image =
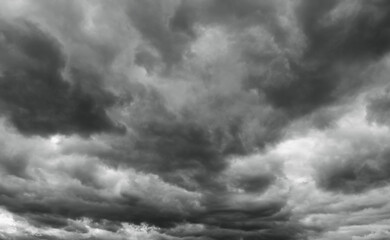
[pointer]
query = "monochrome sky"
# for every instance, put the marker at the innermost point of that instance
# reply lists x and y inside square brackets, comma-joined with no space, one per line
[195,119]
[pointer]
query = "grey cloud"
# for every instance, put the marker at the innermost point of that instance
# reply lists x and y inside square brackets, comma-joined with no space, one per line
[286,62]
[77,202]
[14,165]
[324,68]
[278,233]
[378,108]
[255,183]
[27,228]
[362,33]
[151,19]
[171,28]
[229,13]
[34,95]
[357,173]
[315,79]
[47,189]
[360,162]
[173,147]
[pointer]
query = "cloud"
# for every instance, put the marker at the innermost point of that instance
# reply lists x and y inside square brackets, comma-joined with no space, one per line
[332,29]
[151,19]
[358,164]
[327,204]
[17,228]
[34,94]
[378,108]
[321,75]
[250,120]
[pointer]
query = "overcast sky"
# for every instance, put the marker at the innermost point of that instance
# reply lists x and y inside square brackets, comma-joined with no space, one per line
[195,119]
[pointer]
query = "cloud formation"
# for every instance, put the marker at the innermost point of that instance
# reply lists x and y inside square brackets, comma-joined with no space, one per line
[194,119]
[35,95]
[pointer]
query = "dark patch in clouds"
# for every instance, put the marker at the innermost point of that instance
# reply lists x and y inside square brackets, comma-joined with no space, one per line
[378,109]
[362,33]
[34,94]
[150,19]
[255,183]
[337,42]
[357,172]
[82,202]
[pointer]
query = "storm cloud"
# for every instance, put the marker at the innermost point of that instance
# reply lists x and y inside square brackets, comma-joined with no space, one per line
[35,95]
[204,119]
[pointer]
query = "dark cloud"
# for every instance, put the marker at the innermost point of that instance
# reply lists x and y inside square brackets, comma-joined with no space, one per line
[35,96]
[14,165]
[46,220]
[188,162]
[241,126]
[362,33]
[147,59]
[185,153]
[320,76]
[178,149]
[378,108]
[255,183]
[322,68]
[357,172]
[249,218]
[150,18]
[219,233]
[171,28]
[83,202]
[339,40]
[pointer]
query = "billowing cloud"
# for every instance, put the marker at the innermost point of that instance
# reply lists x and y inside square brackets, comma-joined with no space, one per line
[36,97]
[194,119]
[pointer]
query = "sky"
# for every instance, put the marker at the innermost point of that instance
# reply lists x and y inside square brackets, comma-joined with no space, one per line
[194,119]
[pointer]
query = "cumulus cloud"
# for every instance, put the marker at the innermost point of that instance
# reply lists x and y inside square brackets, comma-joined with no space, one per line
[184,119]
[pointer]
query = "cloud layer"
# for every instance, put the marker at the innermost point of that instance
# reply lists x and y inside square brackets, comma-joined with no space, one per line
[194,119]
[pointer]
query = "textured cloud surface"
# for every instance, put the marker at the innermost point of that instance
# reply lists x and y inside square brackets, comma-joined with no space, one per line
[195,119]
